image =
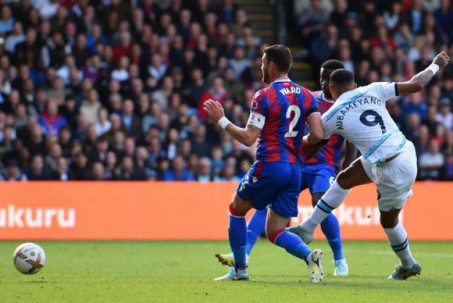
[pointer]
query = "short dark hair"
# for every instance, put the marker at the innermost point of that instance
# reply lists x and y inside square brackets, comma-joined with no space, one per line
[333,64]
[341,77]
[280,55]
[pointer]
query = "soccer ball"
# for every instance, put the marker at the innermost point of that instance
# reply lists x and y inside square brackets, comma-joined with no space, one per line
[29,258]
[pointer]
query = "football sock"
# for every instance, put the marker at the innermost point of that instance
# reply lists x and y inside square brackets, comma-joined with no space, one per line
[237,233]
[331,230]
[255,228]
[400,245]
[328,202]
[291,242]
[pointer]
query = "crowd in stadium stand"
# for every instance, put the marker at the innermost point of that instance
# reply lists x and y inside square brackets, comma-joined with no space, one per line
[112,90]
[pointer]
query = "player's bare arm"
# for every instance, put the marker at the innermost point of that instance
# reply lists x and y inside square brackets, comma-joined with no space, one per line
[316,134]
[420,80]
[246,136]
[311,150]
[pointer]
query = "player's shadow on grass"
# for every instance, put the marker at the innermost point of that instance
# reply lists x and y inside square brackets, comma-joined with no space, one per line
[352,281]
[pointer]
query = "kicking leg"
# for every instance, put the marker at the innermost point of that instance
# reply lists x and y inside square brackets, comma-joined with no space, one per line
[331,229]
[399,242]
[352,176]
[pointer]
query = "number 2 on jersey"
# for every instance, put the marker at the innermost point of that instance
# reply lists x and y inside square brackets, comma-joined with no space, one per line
[291,133]
[377,119]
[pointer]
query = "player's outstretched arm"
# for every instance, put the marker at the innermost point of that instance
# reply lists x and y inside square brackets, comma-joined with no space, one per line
[246,136]
[420,80]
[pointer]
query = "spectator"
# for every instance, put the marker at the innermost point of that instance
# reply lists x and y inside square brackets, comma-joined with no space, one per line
[37,169]
[228,174]
[51,121]
[431,162]
[61,172]
[431,121]
[55,153]
[6,20]
[445,116]
[98,173]
[36,143]
[239,63]
[311,22]
[79,169]
[157,69]
[325,46]
[124,48]
[91,106]
[103,125]
[131,122]
[17,36]
[178,172]
[127,171]
[416,16]
[216,92]
[121,74]
[444,18]
[204,170]
[13,172]
[392,17]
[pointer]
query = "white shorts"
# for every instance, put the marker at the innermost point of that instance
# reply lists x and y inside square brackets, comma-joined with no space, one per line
[394,179]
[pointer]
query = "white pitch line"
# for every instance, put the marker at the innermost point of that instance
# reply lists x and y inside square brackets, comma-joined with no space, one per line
[389,252]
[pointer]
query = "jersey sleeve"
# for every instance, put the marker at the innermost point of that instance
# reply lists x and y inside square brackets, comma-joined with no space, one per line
[259,109]
[386,90]
[325,127]
[311,104]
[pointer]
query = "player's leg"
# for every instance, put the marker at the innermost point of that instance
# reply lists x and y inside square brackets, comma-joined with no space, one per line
[237,234]
[254,190]
[399,242]
[394,188]
[331,229]
[318,179]
[321,179]
[282,208]
[277,234]
[255,228]
[352,176]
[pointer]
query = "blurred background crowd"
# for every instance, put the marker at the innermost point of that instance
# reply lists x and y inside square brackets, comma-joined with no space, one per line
[112,90]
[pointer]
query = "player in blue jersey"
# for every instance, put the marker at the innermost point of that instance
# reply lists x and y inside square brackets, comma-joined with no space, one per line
[317,173]
[277,119]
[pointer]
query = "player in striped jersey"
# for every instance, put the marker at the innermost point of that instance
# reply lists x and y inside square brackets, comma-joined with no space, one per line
[318,170]
[278,117]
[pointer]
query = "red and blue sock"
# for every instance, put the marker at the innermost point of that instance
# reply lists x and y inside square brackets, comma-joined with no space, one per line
[237,232]
[292,243]
[255,228]
[331,229]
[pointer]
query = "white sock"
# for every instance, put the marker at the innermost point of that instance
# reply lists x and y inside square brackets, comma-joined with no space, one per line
[400,245]
[328,202]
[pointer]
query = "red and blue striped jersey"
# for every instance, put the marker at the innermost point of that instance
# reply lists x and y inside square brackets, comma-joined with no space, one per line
[331,152]
[281,111]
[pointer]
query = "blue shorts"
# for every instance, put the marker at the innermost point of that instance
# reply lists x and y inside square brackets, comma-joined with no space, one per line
[317,178]
[274,184]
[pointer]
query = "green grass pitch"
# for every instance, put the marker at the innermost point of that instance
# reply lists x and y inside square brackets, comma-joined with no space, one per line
[184,272]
